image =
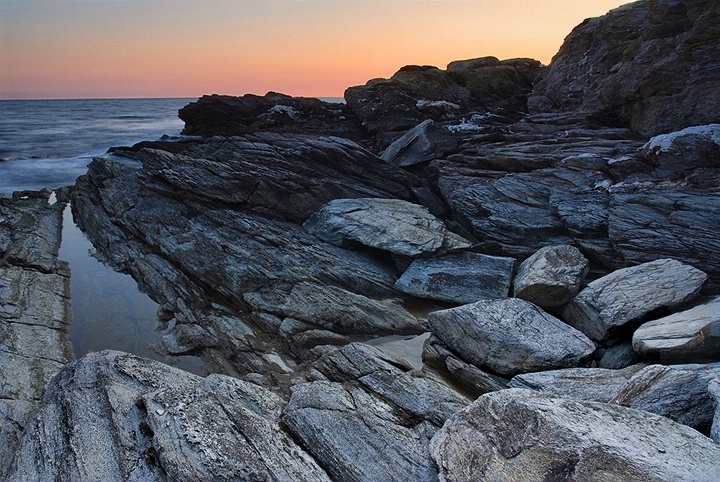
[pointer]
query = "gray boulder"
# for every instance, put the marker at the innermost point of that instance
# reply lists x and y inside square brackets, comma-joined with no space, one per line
[620,355]
[510,336]
[551,277]
[679,392]
[591,384]
[458,278]
[114,416]
[629,294]
[525,435]
[692,335]
[389,224]
[356,436]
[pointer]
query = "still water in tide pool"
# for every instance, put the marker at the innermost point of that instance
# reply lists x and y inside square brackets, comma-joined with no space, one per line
[109,312]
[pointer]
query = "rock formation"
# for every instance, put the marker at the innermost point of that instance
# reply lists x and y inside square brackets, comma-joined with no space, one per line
[284,238]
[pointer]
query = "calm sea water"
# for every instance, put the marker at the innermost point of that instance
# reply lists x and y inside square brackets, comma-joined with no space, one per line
[48,143]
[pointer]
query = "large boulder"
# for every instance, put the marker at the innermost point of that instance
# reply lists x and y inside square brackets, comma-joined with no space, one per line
[629,294]
[393,225]
[551,277]
[648,65]
[114,416]
[458,278]
[510,336]
[676,154]
[525,435]
[692,335]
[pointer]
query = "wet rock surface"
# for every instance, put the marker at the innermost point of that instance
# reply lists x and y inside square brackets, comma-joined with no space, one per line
[35,311]
[293,245]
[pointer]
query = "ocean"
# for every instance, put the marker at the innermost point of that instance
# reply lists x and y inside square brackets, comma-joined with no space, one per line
[48,143]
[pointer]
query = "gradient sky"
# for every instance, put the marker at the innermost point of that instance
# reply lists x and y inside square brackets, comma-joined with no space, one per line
[187,48]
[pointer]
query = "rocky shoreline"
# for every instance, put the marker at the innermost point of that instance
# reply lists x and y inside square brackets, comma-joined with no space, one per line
[550,232]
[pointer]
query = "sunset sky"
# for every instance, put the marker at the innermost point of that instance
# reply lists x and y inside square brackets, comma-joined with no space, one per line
[187,48]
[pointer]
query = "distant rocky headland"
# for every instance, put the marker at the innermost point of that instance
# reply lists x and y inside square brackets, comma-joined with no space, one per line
[550,233]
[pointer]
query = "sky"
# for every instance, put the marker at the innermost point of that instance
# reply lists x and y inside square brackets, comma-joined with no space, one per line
[188,48]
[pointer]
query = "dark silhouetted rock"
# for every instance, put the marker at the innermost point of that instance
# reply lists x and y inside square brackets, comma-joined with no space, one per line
[224,115]
[525,435]
[649,65]
[458,278]
[551,277]
[510,336]
[629,294]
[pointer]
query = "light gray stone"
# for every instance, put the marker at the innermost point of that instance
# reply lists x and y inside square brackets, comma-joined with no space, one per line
[114,416]
[520,434]
[510,336]
[679,392]
[356,436]
[691,335]
[424,142]
[458,278]
[591,384]
[388,224]
[628,294]
[551,277]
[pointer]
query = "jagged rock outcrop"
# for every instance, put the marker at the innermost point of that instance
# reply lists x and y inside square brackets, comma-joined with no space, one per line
[639,66]
[225,115]
[389,107]
[526,435]
[111,415]
[691,336]
[35,312]
[510,336]
[629,294]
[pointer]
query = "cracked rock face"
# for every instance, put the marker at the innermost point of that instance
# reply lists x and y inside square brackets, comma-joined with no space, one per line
[111,415]
[526,435]
[35,309]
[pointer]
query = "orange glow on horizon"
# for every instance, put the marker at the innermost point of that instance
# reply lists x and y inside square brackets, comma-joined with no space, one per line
[184,48]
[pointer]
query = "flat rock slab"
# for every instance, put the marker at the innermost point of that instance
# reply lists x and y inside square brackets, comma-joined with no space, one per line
[520,434]
[691,335]
[510,336]
[551,277]
[392,225]
[629,294]
[458,278]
